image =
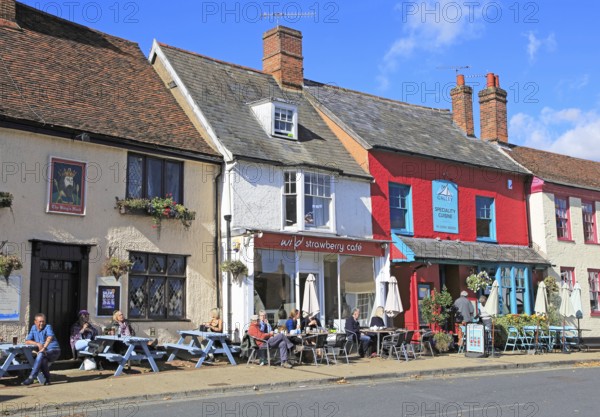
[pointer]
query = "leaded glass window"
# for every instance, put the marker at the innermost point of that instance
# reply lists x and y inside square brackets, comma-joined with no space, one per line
[157,286]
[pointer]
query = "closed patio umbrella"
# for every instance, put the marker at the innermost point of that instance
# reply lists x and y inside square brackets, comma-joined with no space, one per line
[566,309]
[541,306]
[492,307]
[310,301]
[576,301]
[393,304]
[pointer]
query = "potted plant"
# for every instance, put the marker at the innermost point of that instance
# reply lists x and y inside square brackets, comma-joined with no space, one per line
[236,268]
[9,263]
[6,199]
[443,341]
[116,266]
[479,282]
[436,308]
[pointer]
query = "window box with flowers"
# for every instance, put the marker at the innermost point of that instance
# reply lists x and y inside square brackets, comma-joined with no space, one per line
[158,208]
[9,263]
[6,199]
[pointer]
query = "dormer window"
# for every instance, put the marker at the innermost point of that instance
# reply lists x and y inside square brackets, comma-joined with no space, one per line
[284,122]
[277,117]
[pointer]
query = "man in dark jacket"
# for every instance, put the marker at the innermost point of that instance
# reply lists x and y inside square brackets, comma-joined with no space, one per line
[464,313]
[353,333]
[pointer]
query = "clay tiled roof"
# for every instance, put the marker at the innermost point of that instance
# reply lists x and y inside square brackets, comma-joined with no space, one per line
[56,73]
[557,168]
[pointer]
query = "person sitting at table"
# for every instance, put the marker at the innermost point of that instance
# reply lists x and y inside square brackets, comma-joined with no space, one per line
[377,319]
[82,333]
[291,324]
[48,349]
[124,327]
[311,322]
[278,341]
[263,322]
[484,316]
[215,324]
[282,316]
[353,333]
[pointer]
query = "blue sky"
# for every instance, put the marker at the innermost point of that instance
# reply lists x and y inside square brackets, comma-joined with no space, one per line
[546,53]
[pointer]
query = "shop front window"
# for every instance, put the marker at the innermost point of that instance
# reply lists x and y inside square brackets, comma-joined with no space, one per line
[357,287]
[274,278]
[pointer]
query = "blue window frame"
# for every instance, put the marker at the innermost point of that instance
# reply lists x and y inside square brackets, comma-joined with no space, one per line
[486,219]
[401,209]
[515,290]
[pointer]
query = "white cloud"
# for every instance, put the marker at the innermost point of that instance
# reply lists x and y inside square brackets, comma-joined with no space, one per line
[429,25]
[534,44]
[568,131]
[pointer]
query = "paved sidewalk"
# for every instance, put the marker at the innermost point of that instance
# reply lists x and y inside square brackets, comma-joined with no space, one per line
[82,392]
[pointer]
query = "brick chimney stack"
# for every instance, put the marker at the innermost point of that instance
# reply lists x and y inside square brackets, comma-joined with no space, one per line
[8,14]
[462,106]
[282,56]
[492,111]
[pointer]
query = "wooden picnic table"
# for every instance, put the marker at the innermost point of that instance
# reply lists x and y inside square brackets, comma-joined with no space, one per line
[216,343]
[20,357]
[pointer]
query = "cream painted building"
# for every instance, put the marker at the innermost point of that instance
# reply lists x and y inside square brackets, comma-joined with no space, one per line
[564,199]
[75,139]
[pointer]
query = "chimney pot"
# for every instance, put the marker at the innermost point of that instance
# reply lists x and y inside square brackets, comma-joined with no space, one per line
[492,111]
[462,106]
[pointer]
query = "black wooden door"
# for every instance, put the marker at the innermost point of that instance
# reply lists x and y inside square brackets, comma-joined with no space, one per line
[59,284]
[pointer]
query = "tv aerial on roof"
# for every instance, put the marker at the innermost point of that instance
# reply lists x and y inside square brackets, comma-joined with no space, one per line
[281,15]
[454,68]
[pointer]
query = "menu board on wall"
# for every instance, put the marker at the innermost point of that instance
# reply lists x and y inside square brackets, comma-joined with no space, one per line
[10,298]
[108,296]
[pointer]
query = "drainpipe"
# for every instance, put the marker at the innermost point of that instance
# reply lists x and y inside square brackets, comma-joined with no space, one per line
[227,218]
[217,242]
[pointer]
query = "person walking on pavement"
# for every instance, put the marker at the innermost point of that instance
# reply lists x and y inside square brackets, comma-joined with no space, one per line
[464,313]
[48,349]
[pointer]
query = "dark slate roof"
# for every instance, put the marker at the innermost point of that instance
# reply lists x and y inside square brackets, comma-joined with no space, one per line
[223,92]
[556,168]
[61,75]
[396,126]
[432,249]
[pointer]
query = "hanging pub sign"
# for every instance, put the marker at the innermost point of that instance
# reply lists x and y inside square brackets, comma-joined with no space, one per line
[66,186]
[445,206]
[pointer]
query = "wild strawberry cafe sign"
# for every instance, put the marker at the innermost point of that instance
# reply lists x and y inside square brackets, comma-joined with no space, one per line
[319,244]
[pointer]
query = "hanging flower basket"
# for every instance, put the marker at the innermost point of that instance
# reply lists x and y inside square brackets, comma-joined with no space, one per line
[9,263]
[480,281]
[158,208]
[116,267]
[6,199]
[236,268]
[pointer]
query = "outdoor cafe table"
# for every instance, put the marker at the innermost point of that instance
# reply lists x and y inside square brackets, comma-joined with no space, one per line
[379,332]
[132,342]
[216,343]
[19,358]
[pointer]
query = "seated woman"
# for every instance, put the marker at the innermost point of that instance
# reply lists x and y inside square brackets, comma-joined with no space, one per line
[377,319]
[82,333]
[292,322]
[123,325]
[215,324]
